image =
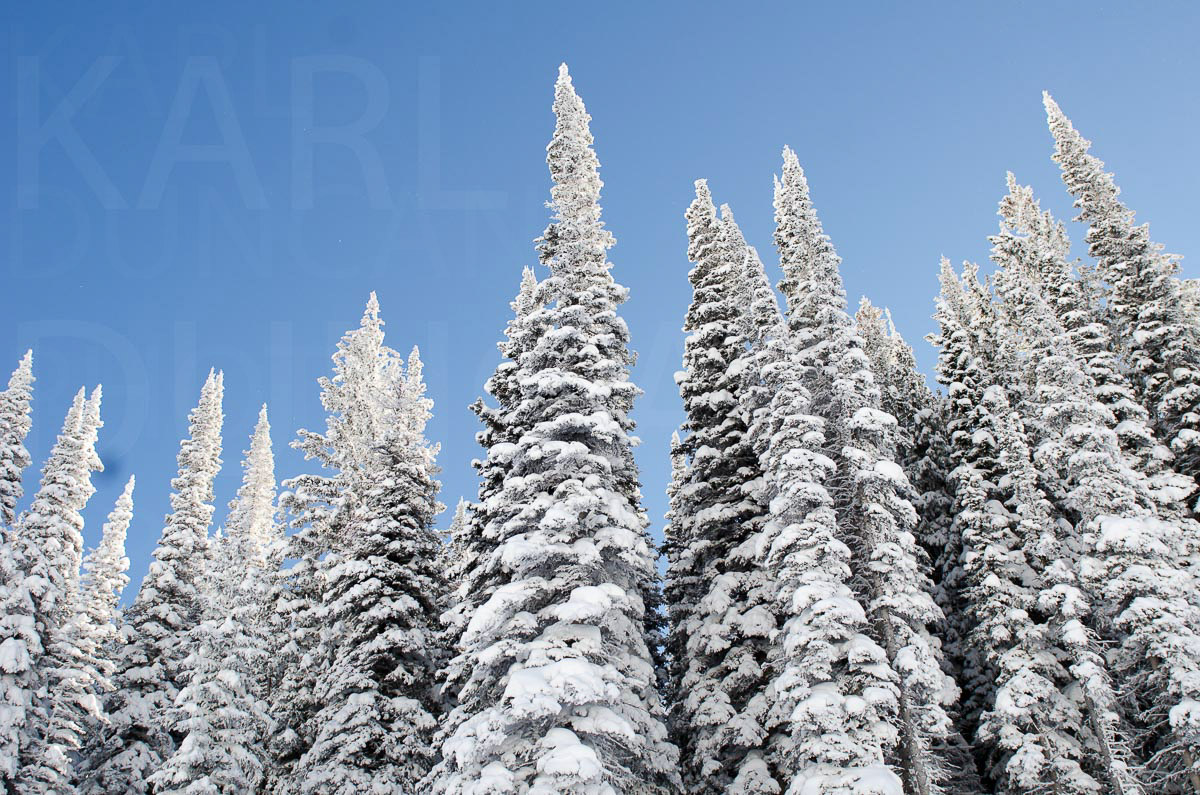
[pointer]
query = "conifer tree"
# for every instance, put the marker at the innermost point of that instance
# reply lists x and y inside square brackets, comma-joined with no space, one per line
[221,720]
[156,627]
[765,333]
[1146,302]
[1129,563]
[960,371]
[380,604]
[105,576]
[869,489]
[456,552]
[1052,720]
[14,427]
[221,709]
[1191,300]
[478,579]
[319,507]
[251,527]
[49,541]
[47,547]
[720,618]
[922,448]
[562,693]
[833,696]
[1070,297]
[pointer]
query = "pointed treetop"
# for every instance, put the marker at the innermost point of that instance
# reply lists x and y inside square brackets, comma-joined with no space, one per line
[735,241]
[126,497]
[1053,111]
[371,313]
[15,423]
[952,293]
[414,371]
[790,160]
[528,279]
[76,412]
[458,525]
[566,101]
[23,375]
[526,299]
[112,539]
[702,226]
[251,523]
[91,428]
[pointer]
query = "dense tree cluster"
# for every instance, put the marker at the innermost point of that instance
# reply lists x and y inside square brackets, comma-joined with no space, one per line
[871,587]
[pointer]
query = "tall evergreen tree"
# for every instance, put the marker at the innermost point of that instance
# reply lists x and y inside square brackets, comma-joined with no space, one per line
[140,736]
[1071,298]
[562,695]
[1053,718]
[456,552]
[1129,561]
[48,546]
[221,709]
[922,448]
[14,427]
[105,575]
[380,604]
[966,379]
[720,619]
[869,489]
[319,507]
[251,528]
[833,695]
[1146,302]
[478,579]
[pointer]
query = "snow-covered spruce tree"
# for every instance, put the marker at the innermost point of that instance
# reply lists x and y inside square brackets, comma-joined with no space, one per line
[48,543]
[105,568]
[139,737]
[960,371]
[877,344]
[477,580]
[673,539]
[979,512]
[15,423]
[922,448]
[360,401]
[1071,298]
[1146,302]
[765,333]
[251,529]
[876,521]
[105,575]
[221,708]
[719,601]
[221,720]
[455,554]
[1129,561]
[833,696]
[562,695]
[382,594]
[1052,723]
[19,641]
[48,692]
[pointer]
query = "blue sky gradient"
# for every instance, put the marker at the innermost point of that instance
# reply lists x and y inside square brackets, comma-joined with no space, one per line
[222,184]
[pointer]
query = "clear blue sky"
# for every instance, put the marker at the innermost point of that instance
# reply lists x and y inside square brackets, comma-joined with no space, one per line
[222,184]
